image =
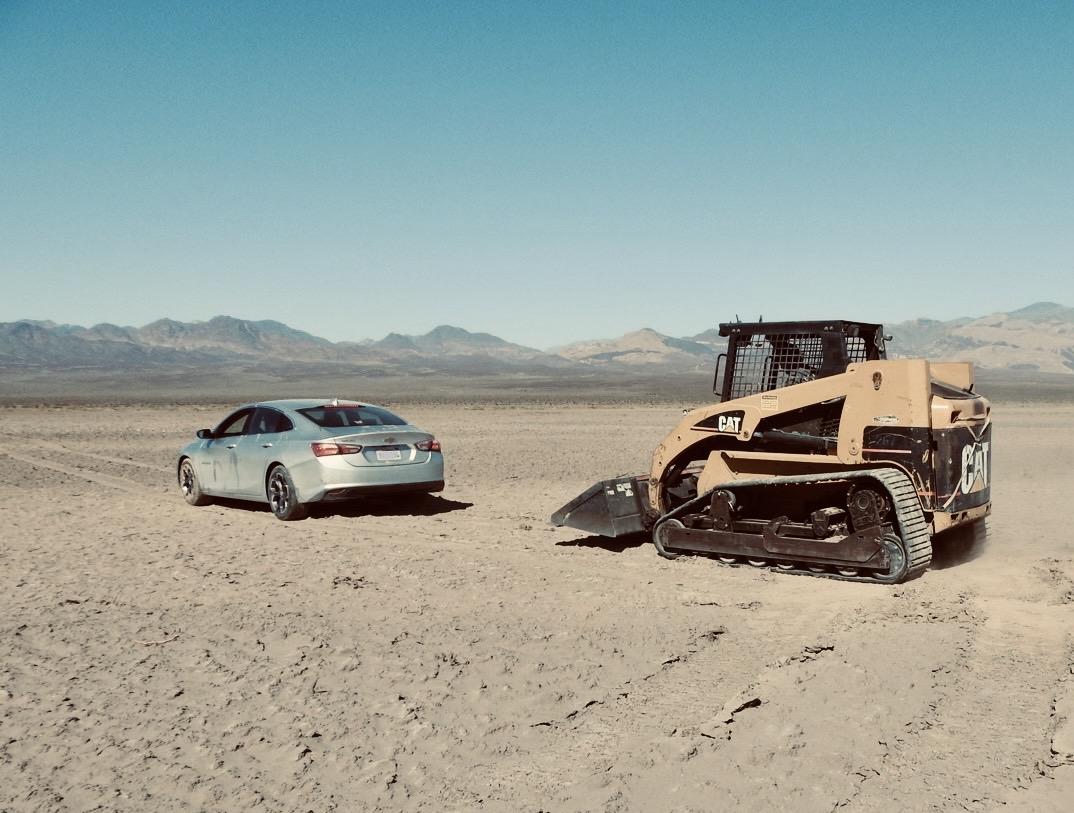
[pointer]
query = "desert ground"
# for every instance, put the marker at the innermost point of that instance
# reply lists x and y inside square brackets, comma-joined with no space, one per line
[463,654]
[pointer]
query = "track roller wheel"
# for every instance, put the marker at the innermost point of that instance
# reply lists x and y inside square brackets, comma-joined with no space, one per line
[896,551]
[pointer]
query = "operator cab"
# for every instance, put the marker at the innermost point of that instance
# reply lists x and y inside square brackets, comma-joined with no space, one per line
[763,356]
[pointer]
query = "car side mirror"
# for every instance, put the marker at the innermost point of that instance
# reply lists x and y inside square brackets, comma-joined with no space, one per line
[205,434]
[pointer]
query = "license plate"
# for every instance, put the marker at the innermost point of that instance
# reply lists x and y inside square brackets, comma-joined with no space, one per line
[389,454]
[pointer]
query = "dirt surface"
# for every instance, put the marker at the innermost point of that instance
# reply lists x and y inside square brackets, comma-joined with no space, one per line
[462,654]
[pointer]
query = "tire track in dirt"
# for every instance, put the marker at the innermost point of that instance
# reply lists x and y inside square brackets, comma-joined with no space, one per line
[664,716]
[100,478]
[974,720]
[833,683]
[56,446]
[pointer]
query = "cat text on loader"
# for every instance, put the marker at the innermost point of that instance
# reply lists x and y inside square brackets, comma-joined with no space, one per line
[822,456]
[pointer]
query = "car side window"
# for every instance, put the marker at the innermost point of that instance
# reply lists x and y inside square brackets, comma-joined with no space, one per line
[270,421]
[235,424]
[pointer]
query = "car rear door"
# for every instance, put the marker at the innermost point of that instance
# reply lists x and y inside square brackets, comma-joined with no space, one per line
[259,447]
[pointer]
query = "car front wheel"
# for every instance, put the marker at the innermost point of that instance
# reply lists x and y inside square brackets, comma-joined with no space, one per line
[283,499]
[190,486]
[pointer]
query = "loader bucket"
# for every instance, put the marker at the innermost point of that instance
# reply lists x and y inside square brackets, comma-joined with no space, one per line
[609,508]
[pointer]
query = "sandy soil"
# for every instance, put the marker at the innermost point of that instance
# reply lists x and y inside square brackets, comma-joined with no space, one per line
[465,655]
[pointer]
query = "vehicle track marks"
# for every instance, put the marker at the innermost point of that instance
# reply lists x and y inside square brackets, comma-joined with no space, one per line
[63,448]
[97,477]
[972,718]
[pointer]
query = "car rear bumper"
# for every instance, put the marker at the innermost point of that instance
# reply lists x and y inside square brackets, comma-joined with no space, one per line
[322,483]
[356,492]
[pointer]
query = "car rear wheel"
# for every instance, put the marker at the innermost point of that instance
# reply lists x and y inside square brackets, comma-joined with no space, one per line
[283,499]
[190,486]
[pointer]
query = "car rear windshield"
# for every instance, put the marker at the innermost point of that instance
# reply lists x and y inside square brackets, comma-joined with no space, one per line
[331,417]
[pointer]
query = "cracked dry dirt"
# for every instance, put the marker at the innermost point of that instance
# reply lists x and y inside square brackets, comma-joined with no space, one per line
[465,655]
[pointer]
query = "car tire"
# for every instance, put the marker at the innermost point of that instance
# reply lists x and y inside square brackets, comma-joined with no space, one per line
[190,485]
[282,497]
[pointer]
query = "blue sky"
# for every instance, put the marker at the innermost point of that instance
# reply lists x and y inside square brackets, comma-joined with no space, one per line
[546,172]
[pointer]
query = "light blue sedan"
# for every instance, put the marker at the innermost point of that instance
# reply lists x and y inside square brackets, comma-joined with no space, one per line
[295,452]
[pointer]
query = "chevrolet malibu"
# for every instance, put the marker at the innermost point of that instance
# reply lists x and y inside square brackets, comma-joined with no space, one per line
[292,453]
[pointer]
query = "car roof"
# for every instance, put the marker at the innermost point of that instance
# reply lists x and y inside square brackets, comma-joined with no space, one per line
[308,403]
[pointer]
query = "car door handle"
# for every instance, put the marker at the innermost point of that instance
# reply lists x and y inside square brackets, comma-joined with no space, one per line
[232,445]
[266,445]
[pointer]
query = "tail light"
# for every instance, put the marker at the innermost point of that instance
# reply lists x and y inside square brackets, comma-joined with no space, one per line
[430,445]
[321,449]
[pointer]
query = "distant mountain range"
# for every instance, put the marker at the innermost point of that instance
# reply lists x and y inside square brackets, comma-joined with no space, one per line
[1038,338]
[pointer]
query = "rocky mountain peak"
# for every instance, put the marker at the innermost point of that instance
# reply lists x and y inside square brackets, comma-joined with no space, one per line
[1039,337]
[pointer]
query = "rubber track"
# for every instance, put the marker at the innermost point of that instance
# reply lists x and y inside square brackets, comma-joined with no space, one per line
[909,519]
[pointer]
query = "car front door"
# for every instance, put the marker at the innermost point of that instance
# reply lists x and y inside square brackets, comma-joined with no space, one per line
[223,451]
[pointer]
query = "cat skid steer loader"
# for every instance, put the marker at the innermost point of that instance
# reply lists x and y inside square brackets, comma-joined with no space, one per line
[822,456]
